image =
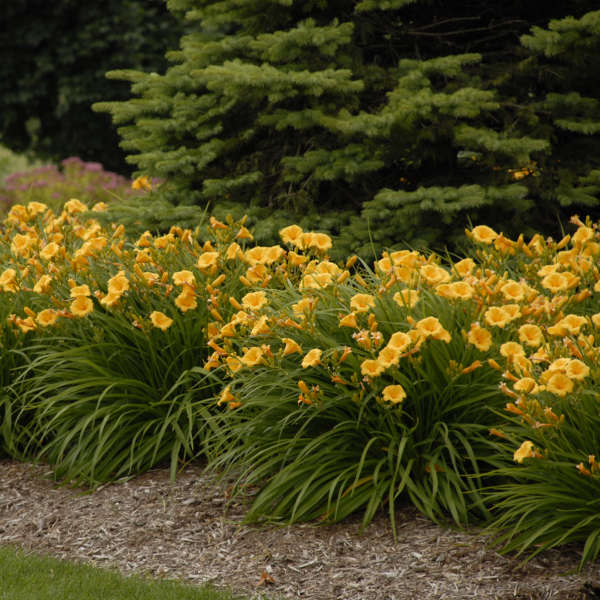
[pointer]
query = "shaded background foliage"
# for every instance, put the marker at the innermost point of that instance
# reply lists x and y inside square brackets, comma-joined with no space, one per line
[54,57]
[382,123]
[404,116]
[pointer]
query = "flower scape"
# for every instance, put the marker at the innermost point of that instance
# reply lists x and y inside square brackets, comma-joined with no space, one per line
[466,387]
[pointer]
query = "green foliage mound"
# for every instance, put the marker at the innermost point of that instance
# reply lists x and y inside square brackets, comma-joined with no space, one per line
[380,122]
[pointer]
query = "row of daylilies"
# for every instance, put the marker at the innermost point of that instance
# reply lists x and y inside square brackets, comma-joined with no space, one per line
[530,308]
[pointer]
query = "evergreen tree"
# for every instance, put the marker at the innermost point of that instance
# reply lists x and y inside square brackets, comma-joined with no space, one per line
[384,121]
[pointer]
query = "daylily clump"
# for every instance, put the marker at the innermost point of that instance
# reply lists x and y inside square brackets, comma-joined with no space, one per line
[521,321]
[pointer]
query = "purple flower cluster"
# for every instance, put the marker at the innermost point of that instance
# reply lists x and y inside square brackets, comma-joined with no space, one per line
[53,185]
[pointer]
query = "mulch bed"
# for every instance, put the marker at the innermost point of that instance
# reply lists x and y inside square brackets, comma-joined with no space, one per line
[186,530]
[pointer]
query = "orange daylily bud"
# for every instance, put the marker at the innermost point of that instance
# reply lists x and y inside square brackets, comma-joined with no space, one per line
[494,364]
[215,313]
[346,353]
[496,432]
[219,280]
[474,365]
[351,261]
[510,407]
[360,280]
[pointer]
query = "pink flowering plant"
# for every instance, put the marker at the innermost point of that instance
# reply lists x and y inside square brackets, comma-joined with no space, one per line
[53,185]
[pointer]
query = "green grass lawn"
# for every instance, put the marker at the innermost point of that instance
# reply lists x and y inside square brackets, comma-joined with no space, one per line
[29,577]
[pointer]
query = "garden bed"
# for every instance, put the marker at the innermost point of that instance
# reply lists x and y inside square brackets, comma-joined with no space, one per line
[185,530]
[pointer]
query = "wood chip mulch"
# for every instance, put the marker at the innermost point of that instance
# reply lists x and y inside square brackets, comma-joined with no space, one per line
[184,530]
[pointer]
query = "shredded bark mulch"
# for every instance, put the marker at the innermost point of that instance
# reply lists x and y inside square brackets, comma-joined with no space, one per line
[185,530]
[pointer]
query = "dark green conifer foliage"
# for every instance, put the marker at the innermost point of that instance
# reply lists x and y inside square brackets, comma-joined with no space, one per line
[382,121]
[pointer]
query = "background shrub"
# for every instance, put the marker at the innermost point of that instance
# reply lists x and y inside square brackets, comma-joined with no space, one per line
[382,122]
